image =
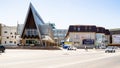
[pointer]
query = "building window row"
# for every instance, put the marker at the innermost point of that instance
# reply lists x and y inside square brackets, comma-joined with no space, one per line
[31,32]
[82,29]
[10,42]
[11,37]
[85,27]
[60,31]
[10,32]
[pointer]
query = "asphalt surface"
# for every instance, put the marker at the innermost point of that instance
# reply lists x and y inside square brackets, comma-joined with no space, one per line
[59,59]
[103,62]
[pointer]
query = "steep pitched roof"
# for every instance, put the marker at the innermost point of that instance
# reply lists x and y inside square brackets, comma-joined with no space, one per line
[33,20]
[37,17]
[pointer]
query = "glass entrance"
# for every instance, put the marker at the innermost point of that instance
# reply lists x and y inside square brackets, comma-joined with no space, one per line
[30,41]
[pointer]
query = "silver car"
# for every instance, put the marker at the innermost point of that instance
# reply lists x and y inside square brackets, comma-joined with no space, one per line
[110,50]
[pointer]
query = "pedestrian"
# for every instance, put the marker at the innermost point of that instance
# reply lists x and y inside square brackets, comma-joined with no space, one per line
[86,48]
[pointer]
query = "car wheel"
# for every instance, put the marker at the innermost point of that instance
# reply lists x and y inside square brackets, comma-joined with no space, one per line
[3,51]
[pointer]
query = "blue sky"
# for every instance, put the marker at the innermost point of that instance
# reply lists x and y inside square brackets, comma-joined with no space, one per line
[103,13]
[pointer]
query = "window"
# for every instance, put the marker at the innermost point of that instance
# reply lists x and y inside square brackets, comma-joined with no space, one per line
[29,31]
[78,29]
[5,42]
[60,31]
[27,41]
[89,28]
[97,30]
[14,42]
[5,31]
[35,32]
[7,37]
[15,33]
[30,42]
[11,41]
[12,36]
[74,28]
[85,27]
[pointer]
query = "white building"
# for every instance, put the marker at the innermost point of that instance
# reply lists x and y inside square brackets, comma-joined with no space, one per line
[90,36]
[9,35]
[115,36]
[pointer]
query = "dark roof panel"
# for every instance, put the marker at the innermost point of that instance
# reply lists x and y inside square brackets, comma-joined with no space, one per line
[82,28]
[107,32]
[100,30]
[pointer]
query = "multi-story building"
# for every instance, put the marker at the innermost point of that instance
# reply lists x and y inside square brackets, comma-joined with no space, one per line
[85,35]
[107,37]
[102,37]
[81,35]
[59,35]
[115,36]
[35,31]
[9,35]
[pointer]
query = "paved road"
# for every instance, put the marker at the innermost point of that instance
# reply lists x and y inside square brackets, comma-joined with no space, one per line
[59,59]
[104,62]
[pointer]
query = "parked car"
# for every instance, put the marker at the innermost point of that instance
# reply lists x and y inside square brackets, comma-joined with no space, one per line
[2,49]
[65,46]
[68,47]
[72,48]
[110,50]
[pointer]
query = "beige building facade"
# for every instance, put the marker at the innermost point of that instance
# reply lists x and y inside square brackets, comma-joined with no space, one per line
[9,35]
[89,36]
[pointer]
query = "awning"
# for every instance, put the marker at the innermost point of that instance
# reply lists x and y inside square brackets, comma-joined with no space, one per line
[113,44]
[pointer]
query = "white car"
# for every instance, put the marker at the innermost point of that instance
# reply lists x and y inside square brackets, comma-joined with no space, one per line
[72,48]
[109,50]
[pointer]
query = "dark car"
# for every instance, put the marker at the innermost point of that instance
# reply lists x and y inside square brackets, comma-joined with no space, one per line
[2,49]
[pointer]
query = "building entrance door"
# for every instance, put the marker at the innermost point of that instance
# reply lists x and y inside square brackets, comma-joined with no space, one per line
[30,41]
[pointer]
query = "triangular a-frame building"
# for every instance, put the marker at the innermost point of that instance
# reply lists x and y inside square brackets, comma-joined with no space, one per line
[32,32]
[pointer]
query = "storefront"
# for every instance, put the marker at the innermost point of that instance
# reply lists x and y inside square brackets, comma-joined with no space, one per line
[82,38]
